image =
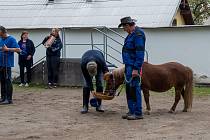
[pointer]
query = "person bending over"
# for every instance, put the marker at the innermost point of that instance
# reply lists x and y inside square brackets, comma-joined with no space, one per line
[92,64]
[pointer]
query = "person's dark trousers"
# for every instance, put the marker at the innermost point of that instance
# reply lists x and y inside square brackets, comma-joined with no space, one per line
[25,64]
[28,72]
[133,92]
[6,84]
[99,87]
[86,96]
[53,64]
[88,86]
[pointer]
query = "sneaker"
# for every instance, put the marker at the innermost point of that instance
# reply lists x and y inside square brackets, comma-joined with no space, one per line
[49,86]
[26,85]
[6,102]
[2,100]
[99,109]
[55,85]
[84,110]
[21,85]
[134,117]
[125,116]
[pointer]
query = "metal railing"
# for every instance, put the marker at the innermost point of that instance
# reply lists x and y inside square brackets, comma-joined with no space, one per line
[107,38]
[99,29]
[41,59]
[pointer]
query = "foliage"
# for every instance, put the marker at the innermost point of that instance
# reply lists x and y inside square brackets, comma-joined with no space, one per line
[200,10]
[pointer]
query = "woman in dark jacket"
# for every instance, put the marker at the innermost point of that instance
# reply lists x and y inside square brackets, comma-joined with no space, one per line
[26,57]
[54,45]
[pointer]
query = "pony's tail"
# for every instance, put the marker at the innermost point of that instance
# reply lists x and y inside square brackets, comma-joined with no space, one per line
[188,94]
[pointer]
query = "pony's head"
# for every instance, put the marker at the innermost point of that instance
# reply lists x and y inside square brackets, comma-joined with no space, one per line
[110,83]
[113,80]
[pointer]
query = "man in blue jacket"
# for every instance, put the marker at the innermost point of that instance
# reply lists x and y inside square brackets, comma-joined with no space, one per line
[92,64]
[133,58]
[8,45]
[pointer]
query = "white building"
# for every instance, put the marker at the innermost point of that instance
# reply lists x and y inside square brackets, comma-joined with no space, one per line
[77,18]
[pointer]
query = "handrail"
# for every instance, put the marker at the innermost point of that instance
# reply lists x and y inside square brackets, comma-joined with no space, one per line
[40,60]
[147,54]
[38,45]
[108,54]
[113,31]
[108,36]
[85,44]
[114,49]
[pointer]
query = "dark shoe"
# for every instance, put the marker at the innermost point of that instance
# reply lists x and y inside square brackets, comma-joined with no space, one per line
[125,116]
[99,109]
[49,86]
[10,102]
[6,102]
[84,110]
[55,85]
[134,117]
[2,100]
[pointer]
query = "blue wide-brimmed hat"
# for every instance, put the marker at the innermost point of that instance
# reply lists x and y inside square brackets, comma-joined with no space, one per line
[94,102]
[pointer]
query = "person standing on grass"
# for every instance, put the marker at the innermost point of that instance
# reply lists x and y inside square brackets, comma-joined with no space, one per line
[54,45]
[26,58]
[8,45]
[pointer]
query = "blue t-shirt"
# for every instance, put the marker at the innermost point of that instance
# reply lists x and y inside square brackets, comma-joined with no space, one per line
[7,58]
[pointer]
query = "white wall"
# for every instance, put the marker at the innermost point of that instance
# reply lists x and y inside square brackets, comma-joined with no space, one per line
[187,45]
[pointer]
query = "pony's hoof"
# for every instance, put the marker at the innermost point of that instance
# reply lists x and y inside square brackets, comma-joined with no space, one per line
[184,110]
[171,111]
[147,112]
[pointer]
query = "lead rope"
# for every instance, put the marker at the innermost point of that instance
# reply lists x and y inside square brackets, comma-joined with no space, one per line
[129,81]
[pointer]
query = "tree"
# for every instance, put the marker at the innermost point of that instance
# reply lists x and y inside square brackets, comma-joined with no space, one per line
[200,10]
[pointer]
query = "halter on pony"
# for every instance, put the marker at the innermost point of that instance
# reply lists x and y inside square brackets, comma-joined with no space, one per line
[107,94]
[110,93]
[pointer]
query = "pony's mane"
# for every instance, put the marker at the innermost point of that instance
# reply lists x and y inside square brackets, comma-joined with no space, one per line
[119,72]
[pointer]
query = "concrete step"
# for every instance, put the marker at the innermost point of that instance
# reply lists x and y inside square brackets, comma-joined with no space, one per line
[69,74]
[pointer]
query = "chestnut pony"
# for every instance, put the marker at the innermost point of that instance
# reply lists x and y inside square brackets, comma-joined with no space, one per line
[159,78]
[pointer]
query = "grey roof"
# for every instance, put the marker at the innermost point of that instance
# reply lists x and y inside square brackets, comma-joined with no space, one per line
[79,13]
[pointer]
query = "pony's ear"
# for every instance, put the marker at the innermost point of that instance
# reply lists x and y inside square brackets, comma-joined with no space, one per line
[106,76]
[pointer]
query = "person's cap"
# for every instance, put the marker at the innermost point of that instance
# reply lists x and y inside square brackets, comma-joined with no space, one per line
[126,20]
[92,68]
[3,29]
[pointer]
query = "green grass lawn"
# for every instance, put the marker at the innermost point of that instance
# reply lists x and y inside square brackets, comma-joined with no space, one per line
[198,91]
[201,91]
[32,88]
